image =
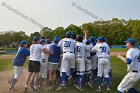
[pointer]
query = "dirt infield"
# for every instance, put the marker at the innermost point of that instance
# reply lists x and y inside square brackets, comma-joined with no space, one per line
[5,76]
[7,56]
[116,53]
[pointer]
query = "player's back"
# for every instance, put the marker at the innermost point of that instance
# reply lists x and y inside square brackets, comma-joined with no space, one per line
[80,49]
[88,50]
[67,45]
[103,50]
[35,52]
[45,55]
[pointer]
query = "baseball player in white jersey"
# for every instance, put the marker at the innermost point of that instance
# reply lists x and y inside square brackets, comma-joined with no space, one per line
[133,67]
[93,56]
[80,62]
[88,64]
[68,61]
[44,62]
[103,54]
[34,62]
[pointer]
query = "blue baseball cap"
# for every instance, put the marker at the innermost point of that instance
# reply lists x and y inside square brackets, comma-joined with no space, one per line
[88,42]
[92,38]
[100,38]
[69,33]
[48,41]
[56,40]
[42,41]
[23,42]
[36,38]
[56,36]
[131,41]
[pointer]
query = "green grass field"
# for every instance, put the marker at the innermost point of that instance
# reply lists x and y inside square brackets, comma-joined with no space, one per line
[118,68]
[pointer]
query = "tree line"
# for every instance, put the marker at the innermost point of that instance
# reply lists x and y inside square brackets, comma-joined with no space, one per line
[115,31]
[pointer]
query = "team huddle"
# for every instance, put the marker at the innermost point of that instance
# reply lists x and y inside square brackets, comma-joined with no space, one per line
[78,60]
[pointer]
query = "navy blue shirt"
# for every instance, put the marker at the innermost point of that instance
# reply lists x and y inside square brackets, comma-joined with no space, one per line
[55,57]
[21,56]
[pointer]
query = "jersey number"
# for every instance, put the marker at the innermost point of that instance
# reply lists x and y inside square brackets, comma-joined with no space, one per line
[78,48]
[67,44]
[103,49]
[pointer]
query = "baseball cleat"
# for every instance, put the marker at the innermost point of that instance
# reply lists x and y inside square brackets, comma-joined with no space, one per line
[25,90]
[99,90]
[108,89]
[59,88]
[32,86]
[9,81]
[35,91]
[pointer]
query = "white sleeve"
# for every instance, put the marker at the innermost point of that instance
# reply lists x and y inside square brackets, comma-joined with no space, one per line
[60,43]
[94,49]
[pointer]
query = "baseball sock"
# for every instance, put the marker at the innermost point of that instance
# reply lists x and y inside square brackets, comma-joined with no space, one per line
[119,91]
[81,80]
[13,82]
[41,82]
[63,78]
[133,90]
[107,81]
[71,72]
[100,79]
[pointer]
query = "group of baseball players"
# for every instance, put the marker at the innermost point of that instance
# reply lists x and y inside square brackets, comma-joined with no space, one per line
[77,60]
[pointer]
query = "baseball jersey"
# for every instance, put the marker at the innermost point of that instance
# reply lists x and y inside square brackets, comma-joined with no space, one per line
[102,50]
[67,45]
[88,50]
[21,56]
[45,55]
[80,49]
[55,57]
[36,52]
[133,59]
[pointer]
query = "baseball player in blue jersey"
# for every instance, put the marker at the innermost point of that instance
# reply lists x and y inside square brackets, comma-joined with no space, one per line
[103,54]
[18,63]
[53,61]
[68,60]
[133,68]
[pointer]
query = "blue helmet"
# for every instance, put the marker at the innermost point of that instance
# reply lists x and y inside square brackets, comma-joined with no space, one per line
[132,41]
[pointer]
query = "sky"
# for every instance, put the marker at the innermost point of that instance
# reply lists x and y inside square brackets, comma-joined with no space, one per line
[31,15]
